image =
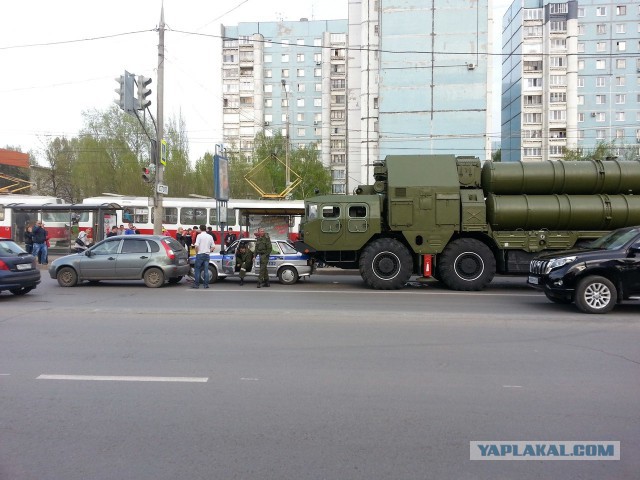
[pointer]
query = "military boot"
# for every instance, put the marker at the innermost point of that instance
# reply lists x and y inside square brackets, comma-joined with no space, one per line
[258,284]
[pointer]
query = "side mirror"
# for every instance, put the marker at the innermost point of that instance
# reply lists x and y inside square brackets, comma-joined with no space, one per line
[634,249]
[88,253]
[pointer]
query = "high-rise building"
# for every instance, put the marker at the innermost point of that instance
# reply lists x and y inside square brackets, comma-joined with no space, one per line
[419,80]
[288,77]
[569,77]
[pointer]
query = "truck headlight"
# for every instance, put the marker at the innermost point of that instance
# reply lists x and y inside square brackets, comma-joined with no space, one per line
[558,262]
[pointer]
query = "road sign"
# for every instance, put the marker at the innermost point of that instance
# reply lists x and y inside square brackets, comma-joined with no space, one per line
[163,189]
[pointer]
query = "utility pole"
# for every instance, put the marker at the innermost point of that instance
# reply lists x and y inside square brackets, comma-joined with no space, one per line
[159,210]
[287,169]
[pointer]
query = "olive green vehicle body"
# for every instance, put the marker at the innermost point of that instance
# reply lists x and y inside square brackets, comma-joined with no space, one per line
[441,208]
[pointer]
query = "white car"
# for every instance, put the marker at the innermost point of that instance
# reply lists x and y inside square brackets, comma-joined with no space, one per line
[285,262]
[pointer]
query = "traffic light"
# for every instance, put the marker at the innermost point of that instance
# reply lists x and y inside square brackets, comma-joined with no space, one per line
[125,92]
[143,92]
[147,174]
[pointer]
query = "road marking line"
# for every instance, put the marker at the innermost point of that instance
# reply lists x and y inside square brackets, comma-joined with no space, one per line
[249,379]
[395,292]
[511,386]
[107,378]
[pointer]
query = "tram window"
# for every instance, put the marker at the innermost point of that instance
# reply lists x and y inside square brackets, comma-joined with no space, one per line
[231,216]
[193,216]
[213,216]
[170,215]
[127,215]
[1,213]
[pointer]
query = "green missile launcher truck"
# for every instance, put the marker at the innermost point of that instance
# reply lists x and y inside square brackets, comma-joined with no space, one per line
[461,222]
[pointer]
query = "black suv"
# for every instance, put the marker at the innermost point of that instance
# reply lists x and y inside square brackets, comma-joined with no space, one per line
[596,276]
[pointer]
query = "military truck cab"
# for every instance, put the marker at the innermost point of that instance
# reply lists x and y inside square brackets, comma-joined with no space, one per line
[344,221]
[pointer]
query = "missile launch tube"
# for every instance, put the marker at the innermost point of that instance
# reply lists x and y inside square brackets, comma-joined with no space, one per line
[558,177]
[562,212]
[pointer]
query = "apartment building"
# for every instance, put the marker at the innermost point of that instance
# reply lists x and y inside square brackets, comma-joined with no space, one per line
[288,77]
[570,77]
[419,79]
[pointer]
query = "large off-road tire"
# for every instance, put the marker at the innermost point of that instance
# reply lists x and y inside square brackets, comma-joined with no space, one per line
[288,275]
[386,264]
[466,264]
[596,295]
[154,278]
[67,277]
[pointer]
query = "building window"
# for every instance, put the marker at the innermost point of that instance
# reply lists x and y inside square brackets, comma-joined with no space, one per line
[558,26]
[556,150]
[532,118]
[268,73]
[601,11]
[318,87]
[317,72]
[601,64]
[621,99]
[620,116]
[528,100]
[338,158]
[300,41]
[621,63]
[601,117]
[621,28]
[317,57]
[533,14]
[620,133]
[620,81]
[557,97]
[285,43]
[532,134]
[621,46]
[317,102]
[283,117]
[534,82]
[556,80]
[300,102]
[558,61]
[302,132]
[601,99]
[581,47]
[268,88]
[601,29]
[341,188]
[299,117]
[558,8]
[300,57]
[601,47]
[285,57]
[284,73]
[581,30]
[601,81]
[268,102]
[580,134]
[267,58]
[300,87]
[557,115]
[621,10]
[532,152]
[337,114]
[580,11]
[268,118]
[317,117]
[601,134]
[317,42]
[580,64]
[558,43]
[580,82]
[300,72]
[284,102]
[580,99]
[268,44]
[580,117]
[338,99]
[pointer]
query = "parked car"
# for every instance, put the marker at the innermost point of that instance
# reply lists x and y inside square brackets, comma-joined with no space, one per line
[153,258]
[595,277]
[18,271]
[285,262]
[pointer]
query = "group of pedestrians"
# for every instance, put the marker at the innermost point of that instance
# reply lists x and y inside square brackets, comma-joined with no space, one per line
[36,240]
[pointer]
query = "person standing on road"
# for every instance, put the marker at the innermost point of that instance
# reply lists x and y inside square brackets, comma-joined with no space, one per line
[244,257]
[263,250]
[204,246]
[39,242]
[28,238]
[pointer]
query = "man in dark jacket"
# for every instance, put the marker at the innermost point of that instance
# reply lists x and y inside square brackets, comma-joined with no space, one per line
[39,243]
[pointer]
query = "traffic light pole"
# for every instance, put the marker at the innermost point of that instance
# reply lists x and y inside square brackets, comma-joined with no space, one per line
[159,210]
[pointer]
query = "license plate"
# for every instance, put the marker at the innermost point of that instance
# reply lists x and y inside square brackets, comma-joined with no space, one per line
[534,280]
[24,266]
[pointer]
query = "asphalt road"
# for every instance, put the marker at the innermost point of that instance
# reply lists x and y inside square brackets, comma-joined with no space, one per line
[322,380]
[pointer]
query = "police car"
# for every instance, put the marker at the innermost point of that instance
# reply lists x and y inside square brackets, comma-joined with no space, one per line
[285,262]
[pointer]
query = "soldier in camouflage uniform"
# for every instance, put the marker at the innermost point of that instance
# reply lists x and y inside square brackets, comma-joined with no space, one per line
[244,257]
[263,250]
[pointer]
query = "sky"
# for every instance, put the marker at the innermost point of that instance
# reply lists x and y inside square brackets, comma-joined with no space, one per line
[61,58]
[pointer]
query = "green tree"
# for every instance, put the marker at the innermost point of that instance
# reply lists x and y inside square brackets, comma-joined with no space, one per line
[497,155]
[602,151]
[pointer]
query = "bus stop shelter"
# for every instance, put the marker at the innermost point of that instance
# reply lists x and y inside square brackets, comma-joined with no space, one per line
[274,219]
[65,223]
